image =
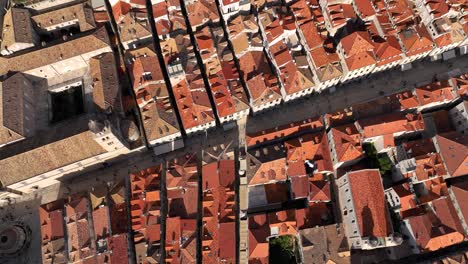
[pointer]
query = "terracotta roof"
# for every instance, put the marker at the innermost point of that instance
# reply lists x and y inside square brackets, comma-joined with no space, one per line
[388,51]
[315,214]
[339,13]
[310,124]
[228,96]
[144,70]
[347,143]
[319,191]
[460,190]
[82,12]
[365,8]
[180,230]
[226,242]
[461,83]
[193,104]
[218,174]
[118,219]
[437,228]
[51,224]
[16,94]
[184,207]
[132,30]
[106,88]
[52,54]
[430,166]
[437,8]
[313,147]
[17,28]
[120,10]
[256,71]
[118,246]
[370,203]
[258,244]
[406,197]
[432,190]
[325,244]
[435,92]
[100,218]
[201,12]
[299,187]
[265,165]
[312,35]
[54,252]
[416,40]
[391,124]
[49,157]
[181,171]
[454,150]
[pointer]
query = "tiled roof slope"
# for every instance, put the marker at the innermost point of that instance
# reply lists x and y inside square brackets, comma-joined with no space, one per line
[81,12]
[454,150]
[460,190]
[17,28]
[52,54]
[106,88]
[16,94]
[159,118]
[48,157]
[370,203]
[439,227]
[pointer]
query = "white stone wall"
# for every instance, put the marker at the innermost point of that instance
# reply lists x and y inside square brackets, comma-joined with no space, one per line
[459,117]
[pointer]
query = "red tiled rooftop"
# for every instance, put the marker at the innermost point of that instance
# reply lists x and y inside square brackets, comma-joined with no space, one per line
[314,215]
[274,170]
[390,124]
[435,92]
[347,143]
[433,190]
[118,246]
[460,190]
[100,218]
[454,150]
[276,192]
[193,104]
[299,187]
[370,203]
[51,224]
[148,65]
[365,8]
[439,228]
[416,41]
[283,131]
[181,170]
[319,191]
[185,207]
[312,147]
[218,174]
[118,219]
[76,208]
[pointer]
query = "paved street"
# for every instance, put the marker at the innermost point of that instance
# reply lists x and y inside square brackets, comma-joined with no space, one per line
[356,92]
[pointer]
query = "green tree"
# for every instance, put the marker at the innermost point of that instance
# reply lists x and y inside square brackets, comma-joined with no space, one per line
[281,250]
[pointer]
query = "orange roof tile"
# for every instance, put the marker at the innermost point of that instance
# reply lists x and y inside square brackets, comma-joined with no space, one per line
[435,92]
[347,143]
[438,228]
[309,124]
[454,150]
[390,124]
[370,203]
